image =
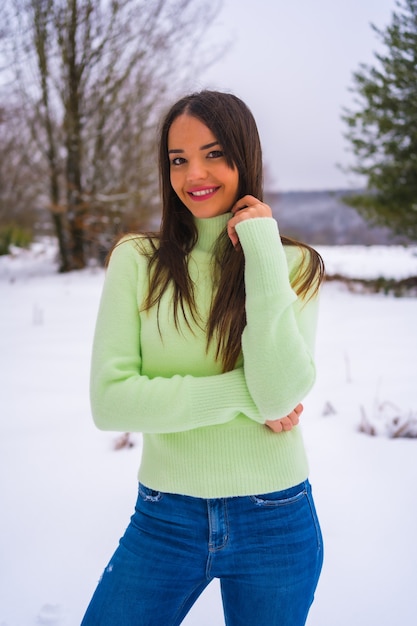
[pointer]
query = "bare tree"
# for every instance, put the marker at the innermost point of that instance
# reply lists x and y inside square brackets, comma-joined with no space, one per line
[18,174]
[43,123]
[93,76]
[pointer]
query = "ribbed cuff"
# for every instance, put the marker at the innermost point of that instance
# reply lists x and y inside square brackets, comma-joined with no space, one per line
[266,268]
[209,399]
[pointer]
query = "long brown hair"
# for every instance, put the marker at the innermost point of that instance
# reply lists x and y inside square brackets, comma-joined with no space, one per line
[233,125]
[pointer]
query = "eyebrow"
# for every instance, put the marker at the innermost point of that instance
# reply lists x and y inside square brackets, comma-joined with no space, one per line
[205,147]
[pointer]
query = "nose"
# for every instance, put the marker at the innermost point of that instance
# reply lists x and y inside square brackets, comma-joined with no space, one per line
[196,170]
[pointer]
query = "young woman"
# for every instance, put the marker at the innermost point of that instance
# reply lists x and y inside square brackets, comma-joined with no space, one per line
[204,343]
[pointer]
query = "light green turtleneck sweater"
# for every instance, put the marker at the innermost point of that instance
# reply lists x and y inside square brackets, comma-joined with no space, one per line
[204,431]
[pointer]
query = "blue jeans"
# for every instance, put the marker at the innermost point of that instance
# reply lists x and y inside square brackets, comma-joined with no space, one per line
[265,549]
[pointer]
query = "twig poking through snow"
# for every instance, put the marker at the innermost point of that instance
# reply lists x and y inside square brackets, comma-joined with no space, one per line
[328,409]
[124,441]
[390,421]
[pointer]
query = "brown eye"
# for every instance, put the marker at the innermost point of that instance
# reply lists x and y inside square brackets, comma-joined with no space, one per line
[177,161]
[215,154]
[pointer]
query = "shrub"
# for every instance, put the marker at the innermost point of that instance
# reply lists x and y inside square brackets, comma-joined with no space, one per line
[13,235]
[389,420]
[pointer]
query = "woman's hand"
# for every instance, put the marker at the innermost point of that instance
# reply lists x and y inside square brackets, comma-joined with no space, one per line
[246,208]
[287,422]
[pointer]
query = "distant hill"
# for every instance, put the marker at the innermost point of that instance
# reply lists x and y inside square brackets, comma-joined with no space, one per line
[321,218]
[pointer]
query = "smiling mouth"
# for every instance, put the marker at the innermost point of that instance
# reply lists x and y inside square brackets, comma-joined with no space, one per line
[202,194]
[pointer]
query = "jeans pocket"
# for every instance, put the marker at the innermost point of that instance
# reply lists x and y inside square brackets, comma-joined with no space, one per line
[281,498]
[149,495]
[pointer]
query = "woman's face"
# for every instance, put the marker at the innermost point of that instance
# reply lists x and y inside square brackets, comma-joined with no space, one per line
[200,175]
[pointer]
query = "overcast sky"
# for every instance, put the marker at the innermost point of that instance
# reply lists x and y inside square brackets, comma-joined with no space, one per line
[292,63]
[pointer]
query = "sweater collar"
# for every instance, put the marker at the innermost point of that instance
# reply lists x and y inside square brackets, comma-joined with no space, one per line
[209,229]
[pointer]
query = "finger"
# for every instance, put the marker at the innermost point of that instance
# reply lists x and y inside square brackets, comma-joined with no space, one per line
[283,424]
[254,210]
[232,234]
[299,409]
[274,425]
[244,203]
[294,418]
[288,423]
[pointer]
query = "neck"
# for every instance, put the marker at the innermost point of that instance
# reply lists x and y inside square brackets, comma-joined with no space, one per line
[209,229]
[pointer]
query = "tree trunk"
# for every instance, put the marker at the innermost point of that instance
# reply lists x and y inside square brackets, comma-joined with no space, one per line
[41,20]
[76,208]
[59,224]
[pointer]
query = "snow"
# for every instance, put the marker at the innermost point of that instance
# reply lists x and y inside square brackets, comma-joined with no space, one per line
[370,261]
[66,495]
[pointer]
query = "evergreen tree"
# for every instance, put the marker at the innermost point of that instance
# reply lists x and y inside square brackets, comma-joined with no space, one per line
[383,130]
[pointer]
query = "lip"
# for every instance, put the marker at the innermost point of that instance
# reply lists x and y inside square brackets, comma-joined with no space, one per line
[199,194]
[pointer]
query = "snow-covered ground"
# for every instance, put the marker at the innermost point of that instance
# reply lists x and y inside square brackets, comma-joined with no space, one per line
[66,495]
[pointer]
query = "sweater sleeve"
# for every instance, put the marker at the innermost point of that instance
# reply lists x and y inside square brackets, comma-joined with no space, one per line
[278,340]
[122,398]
